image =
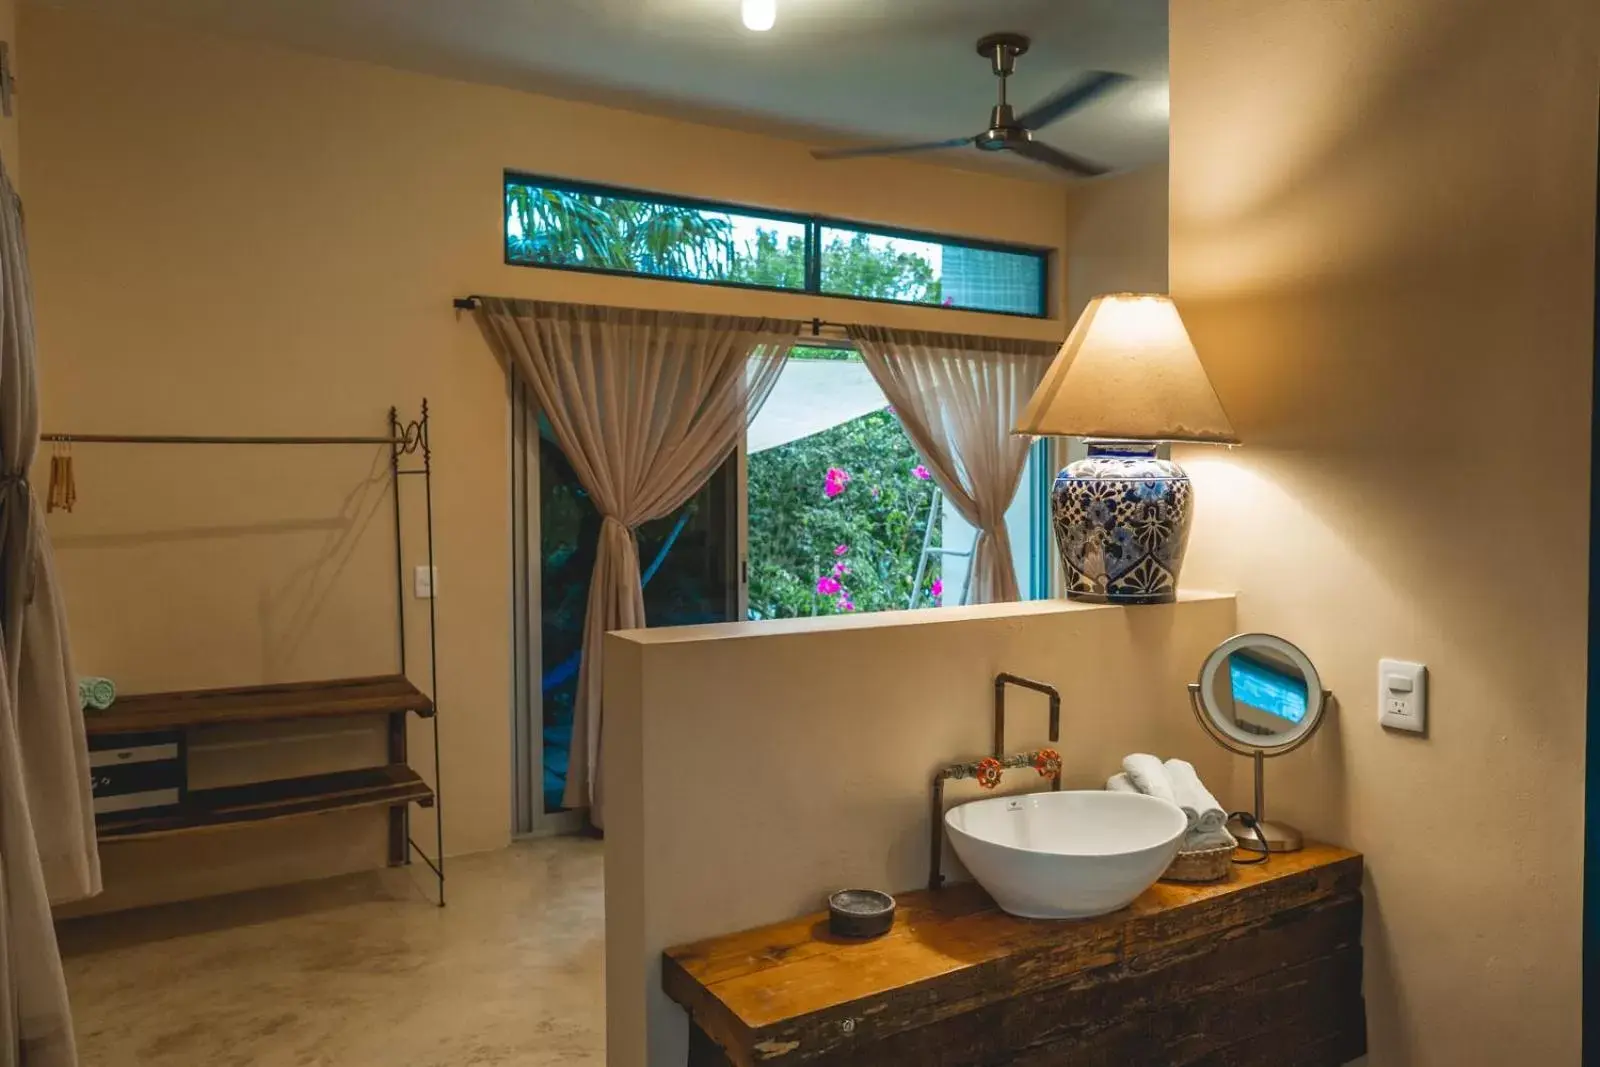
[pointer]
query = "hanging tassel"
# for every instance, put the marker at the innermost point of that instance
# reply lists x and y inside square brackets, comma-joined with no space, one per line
[63,492]
[55,478]
[69,480]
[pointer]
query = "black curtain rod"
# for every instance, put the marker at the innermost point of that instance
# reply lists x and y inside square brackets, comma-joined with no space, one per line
[408,437]
[470,303]
[192,439]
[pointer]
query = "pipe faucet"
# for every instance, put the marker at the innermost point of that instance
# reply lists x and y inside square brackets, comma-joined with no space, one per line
[1002,680]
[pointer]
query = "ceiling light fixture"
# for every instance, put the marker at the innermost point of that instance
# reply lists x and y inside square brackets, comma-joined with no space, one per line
[759,15]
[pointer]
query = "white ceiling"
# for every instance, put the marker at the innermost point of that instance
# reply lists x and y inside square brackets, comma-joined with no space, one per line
[831,70]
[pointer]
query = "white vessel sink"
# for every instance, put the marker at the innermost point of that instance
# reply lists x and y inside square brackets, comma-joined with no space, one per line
[1066,855]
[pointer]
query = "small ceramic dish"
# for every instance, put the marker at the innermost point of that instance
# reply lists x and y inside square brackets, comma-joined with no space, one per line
[860,913]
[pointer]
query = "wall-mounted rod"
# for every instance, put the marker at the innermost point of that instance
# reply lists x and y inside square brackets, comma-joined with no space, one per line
[191,439]
[809,328]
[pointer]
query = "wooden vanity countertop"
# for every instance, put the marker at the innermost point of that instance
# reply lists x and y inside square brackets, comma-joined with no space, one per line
[792,992]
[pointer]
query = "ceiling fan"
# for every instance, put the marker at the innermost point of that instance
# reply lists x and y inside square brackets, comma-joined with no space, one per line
[1008,131]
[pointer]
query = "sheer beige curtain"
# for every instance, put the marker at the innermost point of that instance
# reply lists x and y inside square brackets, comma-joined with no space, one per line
[645,405]
[47,842]
[35,1018]
[958,397]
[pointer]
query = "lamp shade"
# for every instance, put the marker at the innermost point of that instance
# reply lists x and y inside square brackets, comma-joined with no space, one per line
[1129,372]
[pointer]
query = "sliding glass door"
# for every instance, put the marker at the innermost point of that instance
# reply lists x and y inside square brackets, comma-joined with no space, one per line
[689,564]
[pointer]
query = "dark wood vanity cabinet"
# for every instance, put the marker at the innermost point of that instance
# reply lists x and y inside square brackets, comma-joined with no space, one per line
[1263,970]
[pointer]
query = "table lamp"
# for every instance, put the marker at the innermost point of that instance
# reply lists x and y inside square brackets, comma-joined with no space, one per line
[1127,378]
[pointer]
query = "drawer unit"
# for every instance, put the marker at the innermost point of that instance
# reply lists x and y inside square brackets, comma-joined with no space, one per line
[138,772]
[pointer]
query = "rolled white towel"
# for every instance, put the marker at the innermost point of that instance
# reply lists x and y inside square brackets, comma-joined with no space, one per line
[1149,776]
[1194,798]
[1120,783]
[1200,840]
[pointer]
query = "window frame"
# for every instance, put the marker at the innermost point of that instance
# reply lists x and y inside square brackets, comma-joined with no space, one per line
[813,225]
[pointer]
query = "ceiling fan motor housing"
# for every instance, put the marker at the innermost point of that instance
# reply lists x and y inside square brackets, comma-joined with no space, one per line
[1003,132]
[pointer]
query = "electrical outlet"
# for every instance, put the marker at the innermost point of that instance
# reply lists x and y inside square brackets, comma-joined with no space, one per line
[427,580]
[1403,695]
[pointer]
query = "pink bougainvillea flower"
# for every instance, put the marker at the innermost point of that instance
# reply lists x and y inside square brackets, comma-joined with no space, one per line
[839,550]
[827,585]
[841,569]
[844,603]
[936,590]
[921,472]
[834,482]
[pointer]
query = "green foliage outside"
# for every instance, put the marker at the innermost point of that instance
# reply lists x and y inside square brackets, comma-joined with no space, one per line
[860,544]
[856,268]
[562,228]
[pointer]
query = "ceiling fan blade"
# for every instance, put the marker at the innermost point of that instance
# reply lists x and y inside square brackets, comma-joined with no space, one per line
[1051,156]
[887,149]
[1071,97]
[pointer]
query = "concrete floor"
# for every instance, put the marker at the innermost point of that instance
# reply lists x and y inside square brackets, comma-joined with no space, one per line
[356,972]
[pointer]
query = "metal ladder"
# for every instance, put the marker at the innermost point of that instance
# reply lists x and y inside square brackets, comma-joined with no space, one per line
[928,550]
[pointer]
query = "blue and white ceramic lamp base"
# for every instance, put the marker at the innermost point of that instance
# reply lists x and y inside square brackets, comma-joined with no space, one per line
[1121,517]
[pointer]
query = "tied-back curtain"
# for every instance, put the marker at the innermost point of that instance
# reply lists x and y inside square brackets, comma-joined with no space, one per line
[646,405]
[47,841]
[958,397]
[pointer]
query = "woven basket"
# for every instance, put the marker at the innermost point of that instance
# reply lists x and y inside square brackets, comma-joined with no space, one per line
[1206,865]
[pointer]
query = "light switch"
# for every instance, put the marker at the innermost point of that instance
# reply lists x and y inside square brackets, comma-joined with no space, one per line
[1403,695]
[427,580]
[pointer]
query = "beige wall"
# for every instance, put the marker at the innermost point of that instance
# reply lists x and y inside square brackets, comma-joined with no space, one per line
[753,768]
[1382,242]
[233,238]
[1116,237]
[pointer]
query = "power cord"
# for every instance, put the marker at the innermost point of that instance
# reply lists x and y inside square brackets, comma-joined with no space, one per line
[1248,821]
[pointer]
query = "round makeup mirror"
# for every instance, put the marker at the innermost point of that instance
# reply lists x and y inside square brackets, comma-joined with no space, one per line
[1258,695]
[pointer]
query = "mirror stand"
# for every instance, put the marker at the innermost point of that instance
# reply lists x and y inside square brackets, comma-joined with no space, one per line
[1279,837]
